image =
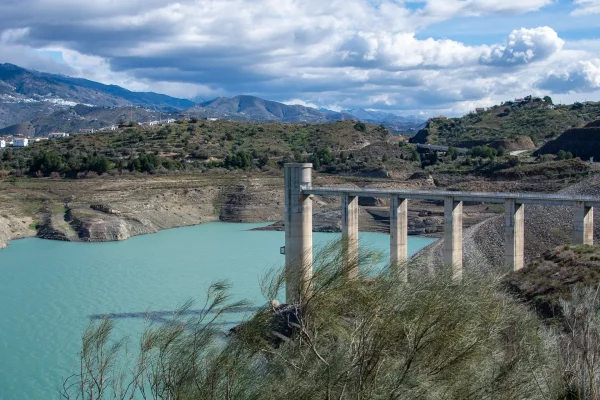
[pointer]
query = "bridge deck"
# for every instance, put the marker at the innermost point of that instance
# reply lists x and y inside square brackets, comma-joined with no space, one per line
[478,197]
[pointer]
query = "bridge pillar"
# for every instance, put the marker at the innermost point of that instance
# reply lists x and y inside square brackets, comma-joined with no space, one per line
[350,234]
[453,241]
[298,232]
[399,236]
[514,234]
[583,223]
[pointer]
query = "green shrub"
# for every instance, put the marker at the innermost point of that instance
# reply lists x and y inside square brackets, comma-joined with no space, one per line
[361,127]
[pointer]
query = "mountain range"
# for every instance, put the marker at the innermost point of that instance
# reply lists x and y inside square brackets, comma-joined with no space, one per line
[40,102]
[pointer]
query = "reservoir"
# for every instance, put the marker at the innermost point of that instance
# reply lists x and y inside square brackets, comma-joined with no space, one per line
[49,290]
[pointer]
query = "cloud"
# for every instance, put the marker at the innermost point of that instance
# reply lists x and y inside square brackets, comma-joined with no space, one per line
[21,55]
[524,46]
[475,8]
[586,7]
[339,54]
[300,102]
[583,76]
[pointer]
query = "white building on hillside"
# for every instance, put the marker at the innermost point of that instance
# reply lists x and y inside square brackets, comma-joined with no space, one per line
[2,144]
[20,142]
[57,135]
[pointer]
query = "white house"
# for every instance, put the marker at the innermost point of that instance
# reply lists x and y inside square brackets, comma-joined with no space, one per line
[153,123]
[170,121]
[87,130]
[2,144]
[21,142]
[57,135]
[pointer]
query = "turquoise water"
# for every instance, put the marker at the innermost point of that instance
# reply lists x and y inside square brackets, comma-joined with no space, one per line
[49,290]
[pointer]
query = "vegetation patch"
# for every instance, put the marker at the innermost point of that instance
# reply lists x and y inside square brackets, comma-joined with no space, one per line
[553,276]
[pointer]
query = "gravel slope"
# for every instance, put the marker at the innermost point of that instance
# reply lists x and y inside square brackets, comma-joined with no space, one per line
[545,227]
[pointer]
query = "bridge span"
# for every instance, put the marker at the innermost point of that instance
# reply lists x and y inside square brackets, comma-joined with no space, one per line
[298,223]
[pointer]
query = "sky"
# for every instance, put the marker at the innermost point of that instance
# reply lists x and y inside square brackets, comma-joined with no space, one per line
[426,57]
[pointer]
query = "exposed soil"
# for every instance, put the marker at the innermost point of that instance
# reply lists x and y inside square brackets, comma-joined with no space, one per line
[116,208]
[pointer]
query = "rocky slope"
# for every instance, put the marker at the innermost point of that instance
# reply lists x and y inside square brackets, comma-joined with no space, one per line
[582,142]
[14,228]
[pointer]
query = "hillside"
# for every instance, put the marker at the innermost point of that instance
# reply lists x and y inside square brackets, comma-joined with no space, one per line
[26,95]
[23,129]
[72,119]
[202,145]
[554,274]
[581,142]
[22,84]
[537,120]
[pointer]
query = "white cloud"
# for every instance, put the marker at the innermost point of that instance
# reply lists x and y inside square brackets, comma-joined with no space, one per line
[582,76]
[299,102]
[482,7]
[586,7]
[524,46]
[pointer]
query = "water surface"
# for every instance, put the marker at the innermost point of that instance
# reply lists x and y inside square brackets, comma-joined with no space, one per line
[49,289]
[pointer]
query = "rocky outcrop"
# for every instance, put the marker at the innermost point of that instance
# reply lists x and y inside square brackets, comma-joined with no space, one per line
[520,143]
[251,203]
[12,227]
[105,209]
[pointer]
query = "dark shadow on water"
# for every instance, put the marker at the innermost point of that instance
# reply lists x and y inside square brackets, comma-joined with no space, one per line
[165,317]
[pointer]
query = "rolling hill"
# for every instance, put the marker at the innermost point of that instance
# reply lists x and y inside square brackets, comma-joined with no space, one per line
[508,122]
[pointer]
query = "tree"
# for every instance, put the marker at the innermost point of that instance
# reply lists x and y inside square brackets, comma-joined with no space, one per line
[513,161]
[548,99]
[452,153]
[501,151]
[561,154]
[483,152]
[98,164]
[298,156]
[343,157]
[359,126]
[46,162]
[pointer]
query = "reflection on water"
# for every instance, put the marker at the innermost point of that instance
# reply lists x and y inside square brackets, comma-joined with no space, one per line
[168,316]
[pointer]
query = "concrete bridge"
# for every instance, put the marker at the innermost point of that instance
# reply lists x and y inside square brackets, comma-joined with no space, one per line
[298,223]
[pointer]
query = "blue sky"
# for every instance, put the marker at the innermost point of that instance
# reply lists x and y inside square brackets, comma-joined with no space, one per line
[409,57]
